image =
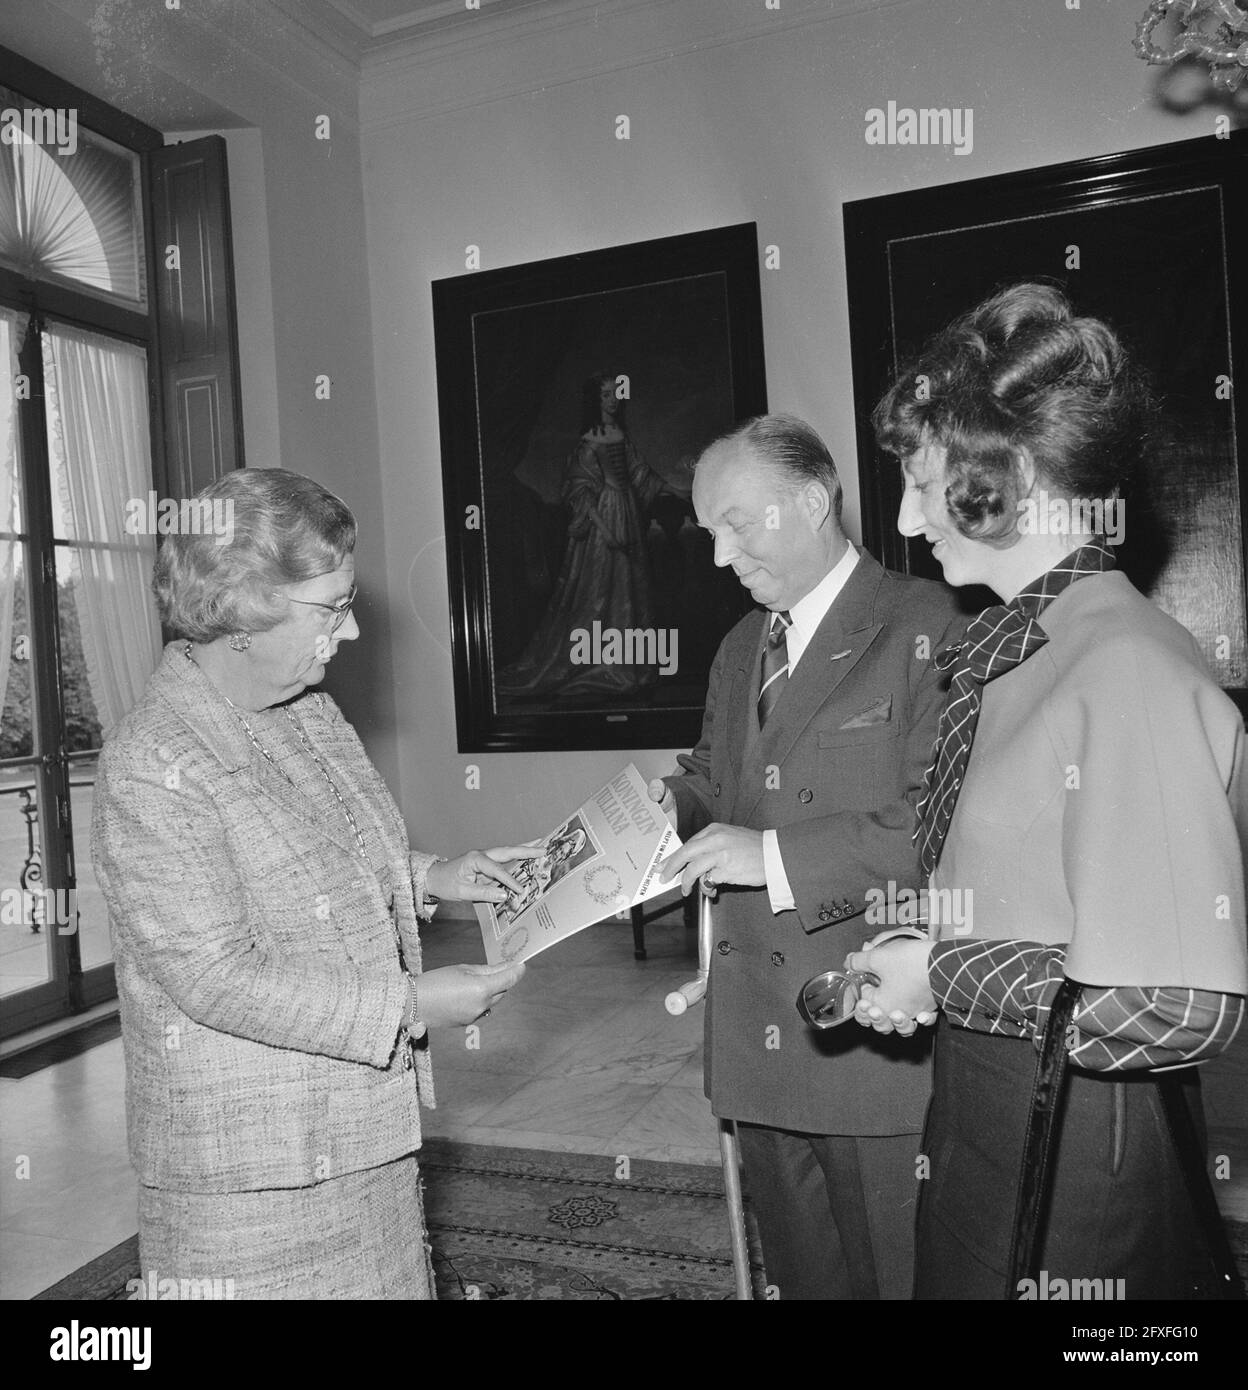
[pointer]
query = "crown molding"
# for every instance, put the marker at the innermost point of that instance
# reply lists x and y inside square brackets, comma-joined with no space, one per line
[429,15]
[548,43]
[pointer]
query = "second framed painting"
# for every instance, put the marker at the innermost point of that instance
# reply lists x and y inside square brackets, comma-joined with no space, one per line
[1151,241]
[574,395]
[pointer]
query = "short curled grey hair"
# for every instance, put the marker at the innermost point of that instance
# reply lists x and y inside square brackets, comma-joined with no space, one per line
[286,529]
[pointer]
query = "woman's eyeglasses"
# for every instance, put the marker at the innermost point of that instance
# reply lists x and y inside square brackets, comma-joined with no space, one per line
[339,610]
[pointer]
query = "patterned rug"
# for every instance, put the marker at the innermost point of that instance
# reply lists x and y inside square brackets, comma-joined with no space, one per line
[524,1224]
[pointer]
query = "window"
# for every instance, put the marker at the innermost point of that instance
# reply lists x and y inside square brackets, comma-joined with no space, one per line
[103,343]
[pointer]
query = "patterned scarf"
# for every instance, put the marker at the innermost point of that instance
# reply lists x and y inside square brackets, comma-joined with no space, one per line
[998,640]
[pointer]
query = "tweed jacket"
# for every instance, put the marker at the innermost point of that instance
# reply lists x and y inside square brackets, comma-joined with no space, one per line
[257,966]
[836,772]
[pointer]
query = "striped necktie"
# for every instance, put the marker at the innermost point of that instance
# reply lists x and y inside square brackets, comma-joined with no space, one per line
[775,667]
[1001,638]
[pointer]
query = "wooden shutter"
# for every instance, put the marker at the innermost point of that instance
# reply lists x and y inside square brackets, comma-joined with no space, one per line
[196,325]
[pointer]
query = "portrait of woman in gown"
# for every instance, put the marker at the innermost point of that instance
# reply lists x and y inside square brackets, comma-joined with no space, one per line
[605,575]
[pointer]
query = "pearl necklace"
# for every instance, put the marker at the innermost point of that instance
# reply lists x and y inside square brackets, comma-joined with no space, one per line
[316,758]
[407,1038]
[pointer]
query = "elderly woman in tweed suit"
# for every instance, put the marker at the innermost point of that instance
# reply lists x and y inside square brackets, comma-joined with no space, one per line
[263,903]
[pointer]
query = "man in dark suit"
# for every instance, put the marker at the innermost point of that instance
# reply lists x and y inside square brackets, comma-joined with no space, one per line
[799,801]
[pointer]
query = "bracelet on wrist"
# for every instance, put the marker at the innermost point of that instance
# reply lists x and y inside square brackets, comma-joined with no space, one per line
[412,1025]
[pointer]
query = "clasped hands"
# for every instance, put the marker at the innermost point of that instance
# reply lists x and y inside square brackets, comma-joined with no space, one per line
[903,999]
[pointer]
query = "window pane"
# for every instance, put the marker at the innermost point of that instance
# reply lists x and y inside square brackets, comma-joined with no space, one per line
[99,436]
[82,720]
[14,624]
[15,733]
[70,203]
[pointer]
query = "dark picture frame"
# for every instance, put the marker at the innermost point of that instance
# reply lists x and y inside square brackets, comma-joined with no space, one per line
[562,513]
[1156,232]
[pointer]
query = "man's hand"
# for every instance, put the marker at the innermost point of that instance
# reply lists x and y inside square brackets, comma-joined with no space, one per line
[719,854]
[903,998]
[659,791]
[457,995]
[473,876]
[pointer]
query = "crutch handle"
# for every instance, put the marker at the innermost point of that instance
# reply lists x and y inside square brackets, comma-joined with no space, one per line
[693,991]
[690,993]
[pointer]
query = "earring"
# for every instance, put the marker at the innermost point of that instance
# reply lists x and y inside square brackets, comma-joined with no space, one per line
[239,641]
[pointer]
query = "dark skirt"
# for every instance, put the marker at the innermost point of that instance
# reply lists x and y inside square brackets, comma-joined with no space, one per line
[1119,1208]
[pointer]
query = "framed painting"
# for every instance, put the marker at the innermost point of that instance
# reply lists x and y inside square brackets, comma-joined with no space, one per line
[574,395]
[1151,241]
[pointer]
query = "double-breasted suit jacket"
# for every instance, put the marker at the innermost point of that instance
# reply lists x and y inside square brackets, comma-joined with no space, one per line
[837,772]
[257,964]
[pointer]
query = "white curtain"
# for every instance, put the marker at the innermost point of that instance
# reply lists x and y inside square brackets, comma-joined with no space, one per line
[99,435]
[12,330]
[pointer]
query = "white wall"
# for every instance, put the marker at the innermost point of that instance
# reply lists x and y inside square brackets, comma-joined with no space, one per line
[512,148]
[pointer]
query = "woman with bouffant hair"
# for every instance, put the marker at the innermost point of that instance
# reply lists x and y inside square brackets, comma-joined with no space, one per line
[1084,796]
[263,902]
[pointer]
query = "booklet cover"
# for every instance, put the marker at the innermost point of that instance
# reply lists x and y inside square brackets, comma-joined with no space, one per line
[604,858]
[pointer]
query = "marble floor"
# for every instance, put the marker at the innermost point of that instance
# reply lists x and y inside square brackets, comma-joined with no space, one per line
[581,1056]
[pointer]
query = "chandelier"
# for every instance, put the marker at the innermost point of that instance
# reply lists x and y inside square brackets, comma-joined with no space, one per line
[1205,45]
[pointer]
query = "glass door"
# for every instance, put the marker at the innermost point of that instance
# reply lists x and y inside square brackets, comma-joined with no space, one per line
[82,638]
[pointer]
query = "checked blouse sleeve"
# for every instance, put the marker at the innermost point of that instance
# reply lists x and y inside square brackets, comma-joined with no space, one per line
[1007,987]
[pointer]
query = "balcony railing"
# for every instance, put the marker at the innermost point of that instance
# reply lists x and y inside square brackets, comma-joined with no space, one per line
[30,879]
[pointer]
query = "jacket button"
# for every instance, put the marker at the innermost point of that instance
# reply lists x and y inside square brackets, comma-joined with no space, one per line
[825,914]
[777,958]
[805,796]
[716,788]
[837,914]
[723,948]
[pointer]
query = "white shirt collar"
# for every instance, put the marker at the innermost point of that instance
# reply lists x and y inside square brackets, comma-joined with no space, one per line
[808,612]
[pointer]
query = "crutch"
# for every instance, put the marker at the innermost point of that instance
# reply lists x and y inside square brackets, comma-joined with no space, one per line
[676,1003]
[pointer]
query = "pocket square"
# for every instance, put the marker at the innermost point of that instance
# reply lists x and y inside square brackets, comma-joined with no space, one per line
[877,712]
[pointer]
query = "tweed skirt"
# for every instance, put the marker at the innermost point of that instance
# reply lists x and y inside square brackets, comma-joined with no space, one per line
[360,1236]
